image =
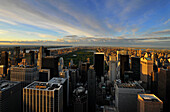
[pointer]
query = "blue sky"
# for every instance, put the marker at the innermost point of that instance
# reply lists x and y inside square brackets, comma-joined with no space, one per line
[85,22]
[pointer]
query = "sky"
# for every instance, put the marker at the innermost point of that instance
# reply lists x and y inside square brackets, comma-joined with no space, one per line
[127,23]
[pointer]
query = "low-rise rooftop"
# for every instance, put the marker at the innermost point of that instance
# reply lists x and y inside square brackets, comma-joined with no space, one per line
[4,84]
[149,98]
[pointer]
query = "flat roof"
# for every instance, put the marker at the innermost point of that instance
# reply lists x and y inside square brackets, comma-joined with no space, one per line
[99,53]
[129,85]
[57,80]
[149,98]
[43,86]
[4,84]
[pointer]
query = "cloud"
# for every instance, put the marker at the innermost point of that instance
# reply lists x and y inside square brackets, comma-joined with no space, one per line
[3,31]
[167,21]
[7,21]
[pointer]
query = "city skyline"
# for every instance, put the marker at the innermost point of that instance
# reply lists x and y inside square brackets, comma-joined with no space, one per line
[134,23]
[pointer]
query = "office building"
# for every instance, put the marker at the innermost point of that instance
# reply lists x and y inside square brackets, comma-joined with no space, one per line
[2,69]
[17,52]
[135,67]
[43,97]
[10,96]
[51,62]
[83,72]
[25,74]
[40,57]
[44,75]
[112,70]
[30,58]
[149,103]
[124,65]
[63,82]
[91,90]
[4,60]
[126,96]
[60,64]
[99,65]
[164,87]
[80,100]
[146,70]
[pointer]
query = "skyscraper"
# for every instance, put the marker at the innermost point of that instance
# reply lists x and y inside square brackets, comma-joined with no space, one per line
[99,65]
[135,66]
[112,71]
[44,75]
[126,96]
[149,103]
[24,74]
[80,99]
[64,83]
[10,96]
[16,52]
[91,90]
[40,57]
[51,62]
[124,65]
[4,60]
[146,70]
[43,97]
[164,87]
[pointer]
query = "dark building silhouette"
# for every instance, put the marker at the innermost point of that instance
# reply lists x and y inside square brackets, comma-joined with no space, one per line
[99,65]
[4,60]
[91,90]
[135,66]
[10,96]
[84,69]
[47,52]
[44,75]
[124,65]
[40,57]
[30,58]
[164,87]
[51,62]
[80,100]
[16,52]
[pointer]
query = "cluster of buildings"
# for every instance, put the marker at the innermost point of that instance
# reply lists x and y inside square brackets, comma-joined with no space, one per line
[117,81]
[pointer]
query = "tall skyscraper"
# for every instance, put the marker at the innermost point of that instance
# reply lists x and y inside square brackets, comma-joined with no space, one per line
[124,65]
[83,71]
[40,57]
[99,65]
[24,74]
[63,82]
[43,97]
[149,103]
[51,62]
[10,96]
[135,66]
[112,70]
[91,90]
[146,70]
[164,87]
[16,52]
[126,96]
[4,60]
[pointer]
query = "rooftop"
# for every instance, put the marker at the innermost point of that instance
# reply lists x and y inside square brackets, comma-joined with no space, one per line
[4,85]
[43,86]
[57,80]
[129,85]
[149,98]
[99,53]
